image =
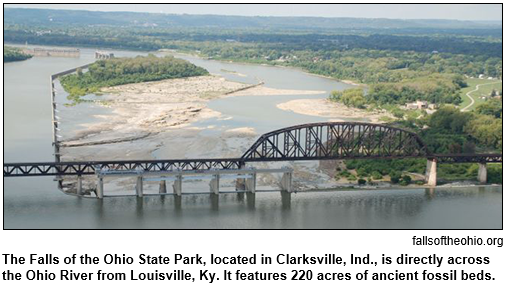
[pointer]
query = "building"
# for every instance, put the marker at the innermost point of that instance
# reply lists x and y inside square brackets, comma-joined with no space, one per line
[103,55]
[418,105]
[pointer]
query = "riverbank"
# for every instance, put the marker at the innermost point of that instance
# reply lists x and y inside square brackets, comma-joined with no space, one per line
[295,68]
[330,109]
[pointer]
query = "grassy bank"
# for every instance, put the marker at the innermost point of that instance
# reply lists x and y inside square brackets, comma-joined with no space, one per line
[484,89]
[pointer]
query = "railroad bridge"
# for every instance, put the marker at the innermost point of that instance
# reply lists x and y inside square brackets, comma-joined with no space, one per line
[316,141]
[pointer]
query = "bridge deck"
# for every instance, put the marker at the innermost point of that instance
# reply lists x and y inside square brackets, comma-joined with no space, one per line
[91,167]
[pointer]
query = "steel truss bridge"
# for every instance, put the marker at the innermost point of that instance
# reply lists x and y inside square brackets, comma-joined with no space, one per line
[318,141]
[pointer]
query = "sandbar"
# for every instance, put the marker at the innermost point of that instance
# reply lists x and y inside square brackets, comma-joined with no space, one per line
[329,109]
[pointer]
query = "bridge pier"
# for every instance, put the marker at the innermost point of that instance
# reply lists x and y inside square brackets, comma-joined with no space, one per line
[178,185]
[432,172]
[251,183]
[286,182]
[163,187]
[215,184]
[139,187]
[79,187]
[240,183]
[427,170]
[482,172]
[100,187]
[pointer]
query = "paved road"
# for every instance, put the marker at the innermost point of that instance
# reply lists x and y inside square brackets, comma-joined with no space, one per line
[468,94]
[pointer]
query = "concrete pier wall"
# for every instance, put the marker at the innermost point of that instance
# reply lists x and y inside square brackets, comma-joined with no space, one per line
[482,173]
[43,52]
[432,178]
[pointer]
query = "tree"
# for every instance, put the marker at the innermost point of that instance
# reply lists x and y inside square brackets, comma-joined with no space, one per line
[406,179]
[492,107]
[395,177]
[455,148]
[449,119]
[351,97]
[12,54]
[469,147]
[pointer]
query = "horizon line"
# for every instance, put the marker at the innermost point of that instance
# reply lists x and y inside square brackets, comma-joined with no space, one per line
[253,16]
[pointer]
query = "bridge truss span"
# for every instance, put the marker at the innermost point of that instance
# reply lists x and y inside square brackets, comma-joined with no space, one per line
[91,167]
[316,141]
[346,140]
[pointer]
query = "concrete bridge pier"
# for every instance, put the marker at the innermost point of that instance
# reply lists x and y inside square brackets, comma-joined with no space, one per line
[251,183]
[139,189]
[215,184]
[79,187]
[286,182]
[240,183]
[163,187]
[482,172]
[178,185]
[431,172]
[100,187]
[427,170]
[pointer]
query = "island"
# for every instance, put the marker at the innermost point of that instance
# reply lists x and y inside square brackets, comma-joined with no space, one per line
[13,54]
[121,71]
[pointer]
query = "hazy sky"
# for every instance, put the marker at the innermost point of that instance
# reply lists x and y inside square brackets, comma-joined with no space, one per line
[397,11]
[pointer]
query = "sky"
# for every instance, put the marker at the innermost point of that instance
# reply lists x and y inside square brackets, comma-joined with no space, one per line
[475,12]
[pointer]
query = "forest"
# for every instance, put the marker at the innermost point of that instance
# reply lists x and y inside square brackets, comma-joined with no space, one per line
[119,71]
[12,54]
[448,130]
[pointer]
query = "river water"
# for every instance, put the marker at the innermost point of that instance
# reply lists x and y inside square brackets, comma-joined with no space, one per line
[37,203]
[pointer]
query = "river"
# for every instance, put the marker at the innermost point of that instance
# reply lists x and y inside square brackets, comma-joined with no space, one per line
[37,203]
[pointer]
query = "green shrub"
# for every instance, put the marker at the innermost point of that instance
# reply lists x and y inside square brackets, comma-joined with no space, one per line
[344,173]
[395,177]
[406,179]
[494,173]
[376,175]
[362,172]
